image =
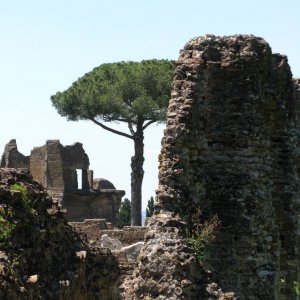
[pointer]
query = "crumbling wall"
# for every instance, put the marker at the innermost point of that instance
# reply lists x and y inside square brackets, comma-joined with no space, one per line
[38,164]
[93,229]
[55,167]
[93,204]
[167,267]
[74,157]
[12,158]
[231,147]
[41,256]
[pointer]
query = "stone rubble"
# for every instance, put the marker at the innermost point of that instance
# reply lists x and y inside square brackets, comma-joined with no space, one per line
[167,267]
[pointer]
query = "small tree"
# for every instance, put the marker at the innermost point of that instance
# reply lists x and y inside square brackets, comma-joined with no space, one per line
[125,213]
[150,207]
[136,93]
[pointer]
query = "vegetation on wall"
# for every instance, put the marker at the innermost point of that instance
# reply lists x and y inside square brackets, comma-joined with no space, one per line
[7,215]
[134,93]
[294,287]
[200,233]
[6,223]
[21,188]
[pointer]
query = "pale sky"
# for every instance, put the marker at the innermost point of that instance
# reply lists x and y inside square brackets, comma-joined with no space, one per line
[47,45]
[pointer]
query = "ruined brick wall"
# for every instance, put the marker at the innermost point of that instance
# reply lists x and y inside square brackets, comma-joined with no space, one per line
[12,158]
[38,164]
[74,157]
[93,229]
[231,147]
[94,204]
[55,167]
[46,165]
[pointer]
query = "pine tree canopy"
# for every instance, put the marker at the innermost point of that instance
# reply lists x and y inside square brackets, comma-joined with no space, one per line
[123,91]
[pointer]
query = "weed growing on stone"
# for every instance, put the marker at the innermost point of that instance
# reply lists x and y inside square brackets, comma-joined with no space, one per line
[200,234]
[6,223]
[21,188]
[295,287]
[26,202]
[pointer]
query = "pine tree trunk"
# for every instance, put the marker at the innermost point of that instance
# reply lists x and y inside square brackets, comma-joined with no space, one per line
[137,175]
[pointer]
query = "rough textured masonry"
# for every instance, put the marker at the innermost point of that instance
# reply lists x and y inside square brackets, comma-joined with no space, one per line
[231,147]
[55,167]
[41,256]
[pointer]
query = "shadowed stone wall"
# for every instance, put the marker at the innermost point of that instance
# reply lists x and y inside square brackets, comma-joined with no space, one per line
[93,204]
[42,257]
[231,147]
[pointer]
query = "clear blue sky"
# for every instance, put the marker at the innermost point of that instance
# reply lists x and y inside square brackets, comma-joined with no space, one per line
[46,45]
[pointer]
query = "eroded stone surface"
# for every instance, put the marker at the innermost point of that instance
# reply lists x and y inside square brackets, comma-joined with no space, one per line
[167,267]
[43,257]
[133,251]
[231,147]
[112,244]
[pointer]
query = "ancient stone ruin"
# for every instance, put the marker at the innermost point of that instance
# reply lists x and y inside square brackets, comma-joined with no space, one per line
[55,167]
[231,147]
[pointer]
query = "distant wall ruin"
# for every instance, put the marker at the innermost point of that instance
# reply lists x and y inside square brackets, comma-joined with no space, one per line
[12,158]
[231,147]
[55,167]
[93,229]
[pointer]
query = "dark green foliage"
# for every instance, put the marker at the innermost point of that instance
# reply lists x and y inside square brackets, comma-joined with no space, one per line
[125,213]
[150,207]
[119,91]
